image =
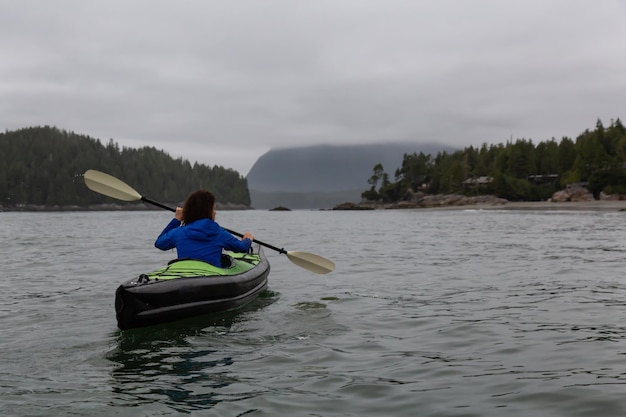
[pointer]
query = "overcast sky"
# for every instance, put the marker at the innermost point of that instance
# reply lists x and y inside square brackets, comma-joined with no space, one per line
[222,82]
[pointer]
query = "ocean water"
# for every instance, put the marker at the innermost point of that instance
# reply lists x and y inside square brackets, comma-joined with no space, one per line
[428,313]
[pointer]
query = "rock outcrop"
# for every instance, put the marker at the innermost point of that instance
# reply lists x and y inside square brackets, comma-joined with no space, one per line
[572,193]
[612,197]
[354,206]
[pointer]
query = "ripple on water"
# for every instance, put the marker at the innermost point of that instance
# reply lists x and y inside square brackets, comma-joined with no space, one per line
[428,313]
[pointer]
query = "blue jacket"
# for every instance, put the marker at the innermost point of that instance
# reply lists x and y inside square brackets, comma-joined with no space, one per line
[203,239]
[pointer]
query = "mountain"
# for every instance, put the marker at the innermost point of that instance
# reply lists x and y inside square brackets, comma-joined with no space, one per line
[322,176]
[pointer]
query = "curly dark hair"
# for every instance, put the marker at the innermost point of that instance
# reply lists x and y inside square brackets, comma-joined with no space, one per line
[198,205]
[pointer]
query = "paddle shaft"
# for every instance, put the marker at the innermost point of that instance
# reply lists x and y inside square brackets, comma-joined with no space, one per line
[267,245]
[110,186]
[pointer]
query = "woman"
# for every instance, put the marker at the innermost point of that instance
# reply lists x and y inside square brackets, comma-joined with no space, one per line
[195,234]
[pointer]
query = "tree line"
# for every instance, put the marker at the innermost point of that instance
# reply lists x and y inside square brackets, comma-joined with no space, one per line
[43,166]
[518,170]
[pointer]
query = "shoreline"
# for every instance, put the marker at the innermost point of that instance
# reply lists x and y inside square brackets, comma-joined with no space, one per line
[32,208]
[595,205]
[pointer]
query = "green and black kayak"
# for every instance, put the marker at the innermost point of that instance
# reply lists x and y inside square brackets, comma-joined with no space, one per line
[187,287]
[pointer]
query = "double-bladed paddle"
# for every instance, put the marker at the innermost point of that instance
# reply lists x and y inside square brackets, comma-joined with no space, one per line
[112,187]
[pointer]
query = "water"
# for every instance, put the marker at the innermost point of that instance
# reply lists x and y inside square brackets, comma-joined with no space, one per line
[428,313]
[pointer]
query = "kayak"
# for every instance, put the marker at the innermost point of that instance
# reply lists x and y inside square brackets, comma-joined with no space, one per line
[188,287]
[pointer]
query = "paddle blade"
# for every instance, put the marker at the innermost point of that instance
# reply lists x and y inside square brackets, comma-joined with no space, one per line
[312,262]
[110,186]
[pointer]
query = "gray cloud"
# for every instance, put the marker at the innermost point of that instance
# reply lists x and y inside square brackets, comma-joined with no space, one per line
[223,82]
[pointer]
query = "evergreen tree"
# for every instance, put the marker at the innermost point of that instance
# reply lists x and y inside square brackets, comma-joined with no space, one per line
[519,170]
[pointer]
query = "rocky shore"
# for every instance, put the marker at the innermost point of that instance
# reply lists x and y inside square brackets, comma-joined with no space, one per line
[595,205]
[426,201]
[573,197]
[489,202]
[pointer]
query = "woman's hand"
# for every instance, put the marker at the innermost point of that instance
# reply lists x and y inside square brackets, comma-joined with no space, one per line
[248,235]
[179,214]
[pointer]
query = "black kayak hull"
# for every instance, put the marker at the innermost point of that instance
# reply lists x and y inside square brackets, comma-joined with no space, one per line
[140,304]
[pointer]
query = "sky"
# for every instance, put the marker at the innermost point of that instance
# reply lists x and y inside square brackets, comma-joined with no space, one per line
[222,82]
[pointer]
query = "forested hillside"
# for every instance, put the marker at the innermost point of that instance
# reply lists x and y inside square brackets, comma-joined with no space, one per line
[43,166]
[518,170]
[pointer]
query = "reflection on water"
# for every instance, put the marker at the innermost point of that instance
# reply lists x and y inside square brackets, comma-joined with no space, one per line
[175,363]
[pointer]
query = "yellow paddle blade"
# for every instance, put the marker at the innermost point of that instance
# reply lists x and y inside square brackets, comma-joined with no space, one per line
[312,262]
[110,186]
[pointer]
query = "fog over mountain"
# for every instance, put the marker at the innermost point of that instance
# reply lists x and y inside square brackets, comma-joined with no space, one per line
[324,175]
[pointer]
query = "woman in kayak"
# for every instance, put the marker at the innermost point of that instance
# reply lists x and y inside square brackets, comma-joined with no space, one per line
[195,234]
